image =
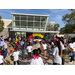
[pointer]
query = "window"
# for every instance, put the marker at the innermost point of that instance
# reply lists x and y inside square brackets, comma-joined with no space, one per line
[43,24]
[16,23]
[30,24]
[16,17]
[30,18]
[23,24]
[43,18]
[36,25]
[23,17]
[37,18]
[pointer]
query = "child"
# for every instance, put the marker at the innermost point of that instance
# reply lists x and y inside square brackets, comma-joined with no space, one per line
[16,56]
[29,51]
[5,48]
[38,45]
[44,46]
[56,52]
[36,60]
[2,60]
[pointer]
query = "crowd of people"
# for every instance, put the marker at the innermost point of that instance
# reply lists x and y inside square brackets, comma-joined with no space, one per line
[12,48]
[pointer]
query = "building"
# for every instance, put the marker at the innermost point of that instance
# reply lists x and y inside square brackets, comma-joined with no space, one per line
[27,24]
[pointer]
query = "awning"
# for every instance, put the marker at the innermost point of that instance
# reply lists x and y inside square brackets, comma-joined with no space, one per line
[36,31]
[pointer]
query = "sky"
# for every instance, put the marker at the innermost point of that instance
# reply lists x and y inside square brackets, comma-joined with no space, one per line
[55,15]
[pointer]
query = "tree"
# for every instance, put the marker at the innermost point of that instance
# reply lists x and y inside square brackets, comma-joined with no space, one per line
[69,20]
[1,24]
[56,27]
[69,28]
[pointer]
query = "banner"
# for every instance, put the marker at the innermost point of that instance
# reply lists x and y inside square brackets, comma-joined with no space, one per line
[40,35]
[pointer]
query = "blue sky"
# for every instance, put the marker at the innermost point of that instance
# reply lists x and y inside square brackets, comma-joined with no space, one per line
[55,15]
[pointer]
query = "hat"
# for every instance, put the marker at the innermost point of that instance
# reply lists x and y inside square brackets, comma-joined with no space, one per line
[70,40]
[37,42]
[56,40]
[43,41]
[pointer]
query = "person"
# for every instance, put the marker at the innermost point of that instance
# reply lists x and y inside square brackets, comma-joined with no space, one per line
[38,45]
[16,56]
[52,44]
[31,40]
[56,52]
[71,45]
[21,44]
[9,39]
[36,60]
[10,48]
[63,49]
[1,44]
[2,60]
[5,48]
[1,39]
[44,46]
[19,38]
[24,48]
[29,48]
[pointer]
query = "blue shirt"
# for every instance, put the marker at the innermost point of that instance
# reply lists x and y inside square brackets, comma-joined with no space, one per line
[21,43]
[0,39]
[1,43]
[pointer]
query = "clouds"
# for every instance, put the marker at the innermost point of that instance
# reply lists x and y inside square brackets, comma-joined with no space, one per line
[55,15]
[5,10]
[53,10]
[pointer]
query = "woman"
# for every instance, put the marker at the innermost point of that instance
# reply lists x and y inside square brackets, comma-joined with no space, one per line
[63,49]
[56,52]
[44,46]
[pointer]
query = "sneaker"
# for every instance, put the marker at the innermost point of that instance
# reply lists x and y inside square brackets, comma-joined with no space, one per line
[23,59]
[70,62]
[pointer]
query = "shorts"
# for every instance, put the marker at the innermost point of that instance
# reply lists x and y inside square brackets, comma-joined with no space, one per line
[29,52]
[45,50]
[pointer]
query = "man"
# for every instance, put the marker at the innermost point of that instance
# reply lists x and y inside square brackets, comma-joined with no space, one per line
[5,48]
[24,48]
[1,44]
[1,39]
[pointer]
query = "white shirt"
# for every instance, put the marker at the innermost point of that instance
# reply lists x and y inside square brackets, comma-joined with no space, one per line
[63,47]
[29,48]
[44,46]
[38,61]
[1,59]
[52,43]
[5,45]
[70,45]
[38,45]
[56,57]
[73,46]
[15,55]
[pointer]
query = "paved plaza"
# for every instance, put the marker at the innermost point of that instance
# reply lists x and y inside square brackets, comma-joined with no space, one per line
[49,62]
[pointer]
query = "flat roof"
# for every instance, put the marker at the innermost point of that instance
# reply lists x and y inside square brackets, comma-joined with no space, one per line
[28,14]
